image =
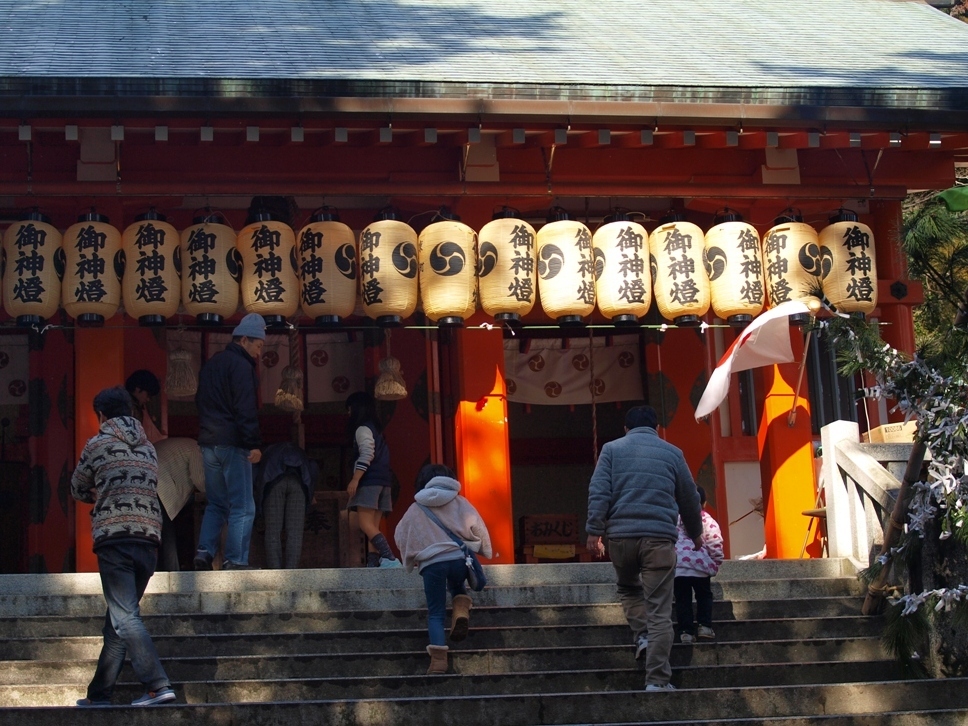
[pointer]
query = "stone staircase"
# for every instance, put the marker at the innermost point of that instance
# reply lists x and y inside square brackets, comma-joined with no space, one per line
[548,645]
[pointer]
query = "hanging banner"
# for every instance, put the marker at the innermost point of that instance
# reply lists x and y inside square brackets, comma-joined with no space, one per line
[552,375]
[14,370]
[334,367]
[275,357]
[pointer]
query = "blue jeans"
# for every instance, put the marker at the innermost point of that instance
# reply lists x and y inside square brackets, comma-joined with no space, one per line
[438,578]
[228,488]
[125,569]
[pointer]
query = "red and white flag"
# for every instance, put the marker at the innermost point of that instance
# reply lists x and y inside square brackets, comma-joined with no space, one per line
[764,342]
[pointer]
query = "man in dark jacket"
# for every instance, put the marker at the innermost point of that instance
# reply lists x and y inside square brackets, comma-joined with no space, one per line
[118,474]
[640,487]
[228,421]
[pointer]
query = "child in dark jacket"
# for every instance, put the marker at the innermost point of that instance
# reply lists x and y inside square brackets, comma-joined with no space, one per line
[694,572]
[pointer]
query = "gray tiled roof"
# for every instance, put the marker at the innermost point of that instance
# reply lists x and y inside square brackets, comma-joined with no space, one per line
[734,43]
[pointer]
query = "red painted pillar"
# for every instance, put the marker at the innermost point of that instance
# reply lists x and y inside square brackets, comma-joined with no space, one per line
[786,456]
[50,527]
[99,364]
[483,457]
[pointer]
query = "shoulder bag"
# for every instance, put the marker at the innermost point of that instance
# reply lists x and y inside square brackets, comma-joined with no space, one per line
[476,579]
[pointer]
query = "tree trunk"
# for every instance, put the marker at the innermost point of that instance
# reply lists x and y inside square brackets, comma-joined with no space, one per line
[945,564]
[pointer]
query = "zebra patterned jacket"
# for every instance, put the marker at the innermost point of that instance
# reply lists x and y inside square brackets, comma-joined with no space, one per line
[118,474]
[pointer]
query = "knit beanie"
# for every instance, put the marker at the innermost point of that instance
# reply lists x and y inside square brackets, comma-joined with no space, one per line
[253,327]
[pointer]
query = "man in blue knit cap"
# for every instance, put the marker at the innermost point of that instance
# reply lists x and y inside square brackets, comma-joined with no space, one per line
[228,423]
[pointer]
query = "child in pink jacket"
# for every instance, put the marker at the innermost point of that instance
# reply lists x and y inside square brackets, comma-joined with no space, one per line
[694,571]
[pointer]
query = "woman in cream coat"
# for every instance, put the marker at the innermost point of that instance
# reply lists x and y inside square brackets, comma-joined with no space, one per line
[438,559]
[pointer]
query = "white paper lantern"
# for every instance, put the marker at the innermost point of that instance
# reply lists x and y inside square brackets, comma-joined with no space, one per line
[212,270]
[734,265]
[623,281]
[151,287]
[91,291]
[327,268]
[847,249]
[388,269]
[34,265]
[270,282]
[566,277]
[447,272]
[507,270]
[791,263]
[681,285]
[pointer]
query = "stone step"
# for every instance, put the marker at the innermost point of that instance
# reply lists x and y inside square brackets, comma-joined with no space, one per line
[365,641]
[411,597]
[416,686]
[735,611]
[707,705]
[468,661]
[894,718]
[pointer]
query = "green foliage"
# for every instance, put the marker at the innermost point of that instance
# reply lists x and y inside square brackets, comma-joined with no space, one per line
[904,635]
[935,240]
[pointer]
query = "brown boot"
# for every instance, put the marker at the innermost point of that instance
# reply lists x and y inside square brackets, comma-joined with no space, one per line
[438,659]
[461,613]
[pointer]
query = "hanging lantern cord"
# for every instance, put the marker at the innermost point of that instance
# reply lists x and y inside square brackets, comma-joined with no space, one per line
[591,386]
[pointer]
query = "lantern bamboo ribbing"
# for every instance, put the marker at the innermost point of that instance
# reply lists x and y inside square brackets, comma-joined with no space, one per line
[507,273]
[566,279]
[212,270]
[327,268]
[151,288]
[850,284]
[92,279]
[681,285]
[270,285]
[34,268]
[734,264]
[623,283]
[388,270]
[791,263]
[447,272]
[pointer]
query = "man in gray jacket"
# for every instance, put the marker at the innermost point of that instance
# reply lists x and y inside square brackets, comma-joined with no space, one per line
[640,487]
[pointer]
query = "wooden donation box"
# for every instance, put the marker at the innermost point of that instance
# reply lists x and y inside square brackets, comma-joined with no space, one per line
[552,538]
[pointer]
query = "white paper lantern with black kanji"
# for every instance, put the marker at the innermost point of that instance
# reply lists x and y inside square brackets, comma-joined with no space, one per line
[34,264]
[566,277]
[212,270]
[678,276]
[151,288]
[623,281]
[849,267]
[791,263]
[447,253]
[388,269]
[91,292]
[327,268]
[734,265]
[507,272]
[270,282]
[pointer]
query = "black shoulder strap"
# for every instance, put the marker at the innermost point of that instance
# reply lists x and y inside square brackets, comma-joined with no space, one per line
[433,518]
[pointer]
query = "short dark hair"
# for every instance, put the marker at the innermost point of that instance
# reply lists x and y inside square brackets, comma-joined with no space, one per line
[641,416]
[113,402]
[702,495]
[145,380]
[429,471]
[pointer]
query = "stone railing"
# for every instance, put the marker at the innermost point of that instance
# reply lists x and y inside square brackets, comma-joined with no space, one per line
[860,483]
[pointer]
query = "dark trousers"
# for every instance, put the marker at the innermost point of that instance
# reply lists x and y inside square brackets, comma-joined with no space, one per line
[285,508]
[684,587]
[126,568]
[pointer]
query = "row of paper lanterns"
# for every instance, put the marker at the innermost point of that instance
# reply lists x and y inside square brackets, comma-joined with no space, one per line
[323,269]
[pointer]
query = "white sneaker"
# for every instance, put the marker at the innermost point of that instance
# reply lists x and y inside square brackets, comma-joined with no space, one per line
[687,638]
[385,563]
[653,687]
[640,645]
[706,633]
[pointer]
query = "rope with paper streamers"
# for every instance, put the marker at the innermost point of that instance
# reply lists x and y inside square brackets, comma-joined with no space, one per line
[289,395]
